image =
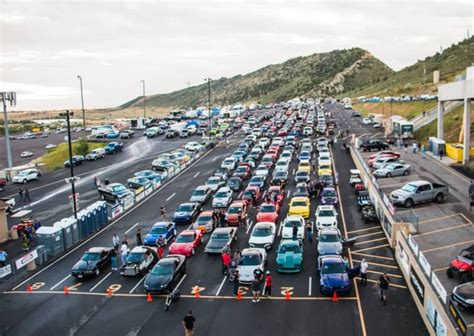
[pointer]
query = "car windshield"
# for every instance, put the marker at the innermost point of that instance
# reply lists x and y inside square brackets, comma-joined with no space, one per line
[199,192]
[391,167]
[329,193]
[253,259]
[118,188]
[301,190]
[409,188]
[249,193]
[289,248]
[298,203]
[267,159]
[162,269]
[267,208]
[302,173]
[158,230]
[89,256]
[213,181]
[221,194]
[228,162]
[257,179]
[23,173]
[324,167]
[187,238]
[329,238]
[262,232]
[241,170]
[234,210]
[325,177]
[326,213]
[204,219]
[220,236]
[333,268]
[292,223]
[280,174]
[185,208]
[135,257]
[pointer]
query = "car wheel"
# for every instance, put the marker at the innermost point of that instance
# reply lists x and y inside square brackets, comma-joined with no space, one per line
[405,173]
[449,273]
[389,175]
[439,198]
[25,181]
[409,203]
[97,272]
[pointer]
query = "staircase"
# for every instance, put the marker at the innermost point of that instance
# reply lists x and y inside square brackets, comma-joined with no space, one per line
[431,115]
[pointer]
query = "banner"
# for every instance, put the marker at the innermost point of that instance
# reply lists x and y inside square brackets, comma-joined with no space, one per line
[27,258]
[5,271]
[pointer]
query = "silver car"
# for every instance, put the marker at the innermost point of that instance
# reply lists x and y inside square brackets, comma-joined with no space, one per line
[201,194]
[393,169]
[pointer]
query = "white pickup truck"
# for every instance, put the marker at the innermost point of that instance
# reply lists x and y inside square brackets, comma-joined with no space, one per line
[419,192]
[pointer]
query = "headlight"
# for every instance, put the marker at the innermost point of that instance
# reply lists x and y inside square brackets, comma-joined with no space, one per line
[470,301]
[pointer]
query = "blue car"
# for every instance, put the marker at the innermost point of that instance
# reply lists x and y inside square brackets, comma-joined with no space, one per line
[151,175]
[257,181]
[333,275]
[304,156]
[167,230]
[186,213]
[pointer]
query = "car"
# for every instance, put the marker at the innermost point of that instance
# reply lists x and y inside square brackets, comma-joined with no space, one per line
[221,240]
[329,241]
[393,169]
[276,194]
[289,257]
[152,132]
[326,179]
[50,146]
[333,275]
[374,144]
[324,169]
[237,213]
[262,170]
[205,222]
[151,175]
[355,177]
[462,268]
[324,159]
[326,216]
[299,206]
[268,161]
[186,212]
[268,212]
[304,166]
[201,194]
[171,133]
[384,153]
[363,199]
[464,295]
[166,274]
[263,235]
[329,197]
[252,259]
[139,261]
[184,133]
[165,230]
[92,262]
[280,177]
[113,147]
[301,190]
[323,141]
[234,183]
[251,193]
[27,175]
[138,182]
[126,134]
[382,161]
[193,146]
[186,243]
[304,156]
[243,171]
[257,181]
[26,154]
[229,164]
[301,176]
[286,155]
[367,121]
[223,173]
[214,183]
[282,165]
[222,197]
[77,160]
[95,154]
[288,224]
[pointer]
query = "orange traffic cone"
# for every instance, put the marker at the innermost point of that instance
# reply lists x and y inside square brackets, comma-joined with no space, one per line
[287,296]
[66,290]
[239,295]
[197,294]
[334,297]
[109,292]
[29,288]
[149,298]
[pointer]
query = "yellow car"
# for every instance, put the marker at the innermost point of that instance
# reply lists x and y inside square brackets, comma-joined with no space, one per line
[299,206]
[305,166]
[324,169]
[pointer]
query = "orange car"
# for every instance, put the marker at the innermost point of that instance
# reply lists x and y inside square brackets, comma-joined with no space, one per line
[236,213]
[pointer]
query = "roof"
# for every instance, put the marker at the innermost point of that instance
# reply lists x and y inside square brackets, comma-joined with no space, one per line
[302,198]
[354,171]
[206,213]
[418,183]
[95,249]
[161,223]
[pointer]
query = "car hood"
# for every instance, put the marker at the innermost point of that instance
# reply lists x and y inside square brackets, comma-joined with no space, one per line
[399,193]
[260,240]
[465,290]
[329,200]
[335,279]
[330,248]
[157,281]
[289,259]
[180,246]
[82,265]
[152,237]
[217,243]
[179,214]
[246,272]
[197,198]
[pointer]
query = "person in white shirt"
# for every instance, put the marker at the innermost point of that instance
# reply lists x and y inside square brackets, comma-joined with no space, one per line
[124,252]
[116,242]
[363,272]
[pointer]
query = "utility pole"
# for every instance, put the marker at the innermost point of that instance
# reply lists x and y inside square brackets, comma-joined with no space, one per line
[208,80]
[82,102]
[144,109]
[11,98]
[71,165]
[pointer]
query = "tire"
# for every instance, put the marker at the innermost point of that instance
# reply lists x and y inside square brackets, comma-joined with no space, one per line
[409,203]
[439,198]
[388,175]
[97,271]
[405,173]
[25,181]
[449,273]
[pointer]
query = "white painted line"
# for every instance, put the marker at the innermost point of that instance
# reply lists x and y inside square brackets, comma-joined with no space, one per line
[288,193]
[240,195]
[248,227]
[310,283]
[126,232]
[293,172]
[280,227]
[180,281]
[170,196]
[97,284]
[197,174]
[222,285]
[60,282]
[138,284]
[213,160]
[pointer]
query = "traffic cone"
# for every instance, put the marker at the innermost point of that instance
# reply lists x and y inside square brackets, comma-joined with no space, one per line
[287,296]
[334,297]
[239,295]
[109,292]
[197,294]
[66,290]
[29,288]
[149,298]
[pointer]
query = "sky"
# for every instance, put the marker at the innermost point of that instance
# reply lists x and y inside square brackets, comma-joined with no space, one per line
[114,45]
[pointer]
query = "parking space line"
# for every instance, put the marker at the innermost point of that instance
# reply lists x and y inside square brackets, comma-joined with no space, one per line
[181,281]
[170,196]
[447,246]
[438,219]
[126,232]
[441,230]
[391,284]
[464,216]
[370,241]
[101,281]
[376,264]
[390,274]
[280,227]
[369,234]
[416,209]
[222,285]
[248,227]
[372,248]
[310,283]
[196,175]
[441,269]
[372,256]
[138,284]
[56,285]
[366,229]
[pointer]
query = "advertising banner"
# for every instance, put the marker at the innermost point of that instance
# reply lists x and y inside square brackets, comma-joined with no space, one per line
[27,258]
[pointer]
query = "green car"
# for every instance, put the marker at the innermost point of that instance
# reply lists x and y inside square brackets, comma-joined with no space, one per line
[290,256]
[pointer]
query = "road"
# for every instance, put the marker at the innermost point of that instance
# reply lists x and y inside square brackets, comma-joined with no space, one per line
[87,310]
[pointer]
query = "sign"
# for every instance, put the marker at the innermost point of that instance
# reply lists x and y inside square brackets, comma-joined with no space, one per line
[417,285]
[5,271]
[439,287]
[117,210]
[139,196]
[413,244]
[424,264]
[435,319]
[403,258]
[71,201]
[27,258]
[457,318]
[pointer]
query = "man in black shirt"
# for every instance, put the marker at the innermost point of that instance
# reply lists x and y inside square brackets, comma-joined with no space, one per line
[188,323]
[471,195]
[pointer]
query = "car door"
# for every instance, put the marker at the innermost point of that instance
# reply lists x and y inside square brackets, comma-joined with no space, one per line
[424,193]
[398,170]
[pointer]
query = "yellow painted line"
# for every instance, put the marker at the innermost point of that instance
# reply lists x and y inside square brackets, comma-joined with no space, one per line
[370,241]
[447,246]
[391,284]
[373,256]
[441,269]
[390,274]
[464,216]
[372,248]
[439,219]
[376,264]
[369,234]
[441,230]
[366,229]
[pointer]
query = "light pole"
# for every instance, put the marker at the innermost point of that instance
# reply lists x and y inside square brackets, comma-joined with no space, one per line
[11,98]
[67,114]
[144,111]
[208,80]
[82,103]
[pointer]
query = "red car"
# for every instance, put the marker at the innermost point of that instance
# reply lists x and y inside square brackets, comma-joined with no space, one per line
[462,267]
[273,153]
[359,187]
[236,213]
[278,191]
[3,183]
[268,212]
[282,132]
[372,160]
[386,152]
[249,192]
[186,243]
[243,171]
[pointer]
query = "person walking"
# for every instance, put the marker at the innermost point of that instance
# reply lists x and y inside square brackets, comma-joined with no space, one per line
[237,255]
[20,193]
[256,288]
[96,183]
[113,259]
[226,259]
[384,282]
[124,252]
[139,237]
[160,244]
[127,240]
[363,272]
[236,282]
[163,212]
[309,232]
[268,284]
[221,219]
[471,195]
[3,258]
[423,152]
[406,148]
[414,146]
[27,195]
[188,324]
[25,242]
[441,154]
[116,242]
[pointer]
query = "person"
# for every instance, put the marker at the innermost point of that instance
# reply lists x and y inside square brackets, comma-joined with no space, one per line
[116,241]
[127,240]
[346,263]
[113,259]
[237,255]
[254,199]
[335,140]
[399,143]
[36,225]
[236,282]
[423,152]
[363,272]
[124,252]
[222,218]
[268,284]
[160,244]
[27,195]
[25,242]
[471,194]
[441,153]
[256,287]
[406,148]
[139,237]
[336,178]
[3,258]
[20,193]
[424,114]
[188,324]
[163,212]
[295,231]
[384,282]
[309,232]
[414,147]
[232,268]
[225,262]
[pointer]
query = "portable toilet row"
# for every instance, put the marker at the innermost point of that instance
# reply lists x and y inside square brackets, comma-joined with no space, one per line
[70,231]
[52,239]
[92,218]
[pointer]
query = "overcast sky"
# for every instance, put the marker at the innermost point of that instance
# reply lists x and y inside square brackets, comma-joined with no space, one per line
[44,45]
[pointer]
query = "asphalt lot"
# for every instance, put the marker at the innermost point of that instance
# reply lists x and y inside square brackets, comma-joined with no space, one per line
[88,310]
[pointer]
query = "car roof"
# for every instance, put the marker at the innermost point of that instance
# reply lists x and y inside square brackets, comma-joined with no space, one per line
[96,249]
[300,198]
[202,187]
[188,203]
[237,203]
[223,230]
[418,183]
[354,171]
[332,259]
[188,232]
[331,230]
[264,224]
[326,207]
[140,249]
[157,224]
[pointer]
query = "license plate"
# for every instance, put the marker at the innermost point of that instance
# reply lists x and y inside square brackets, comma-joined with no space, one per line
[79,275]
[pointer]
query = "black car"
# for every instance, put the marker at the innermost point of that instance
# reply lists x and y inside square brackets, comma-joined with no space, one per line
[170,133]
[464,295]
[166,274]
[234,183]
[363,199]
[92,262]
[374,144]
[76,161]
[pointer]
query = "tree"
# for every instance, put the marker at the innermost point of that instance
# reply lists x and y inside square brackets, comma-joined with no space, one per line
[82,147]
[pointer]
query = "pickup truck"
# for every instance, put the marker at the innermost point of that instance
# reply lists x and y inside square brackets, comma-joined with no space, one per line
[113,147]
[114,191]
[373,145]
[418,192]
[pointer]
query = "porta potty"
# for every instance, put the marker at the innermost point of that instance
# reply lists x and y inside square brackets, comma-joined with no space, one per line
[67,234]
[52,238]
[436,145]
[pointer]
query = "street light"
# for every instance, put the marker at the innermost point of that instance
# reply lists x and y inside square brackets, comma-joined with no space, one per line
[208,80]
[144,112]
[82,102]
[11,98]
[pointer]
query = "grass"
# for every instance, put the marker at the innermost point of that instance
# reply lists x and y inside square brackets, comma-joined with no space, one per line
[408,110]
[55,157]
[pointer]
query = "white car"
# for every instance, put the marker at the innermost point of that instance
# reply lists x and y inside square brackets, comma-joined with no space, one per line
[50,146]
[193,146]
[285,155]
[27,175]
[229,163]
[96,154]
[307,131]
[323,141]
[139,261]
[355,177]
[214,183]
[326,216]
[263,235]
[278,141]
[386,160]
[222,198]
[367,121]
[282,165]
[324,159]
[252,259]
[264,142]
[26,154]
[288,223]
[262,171]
